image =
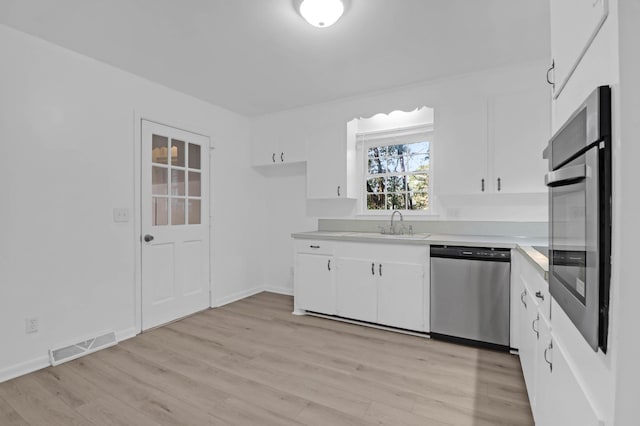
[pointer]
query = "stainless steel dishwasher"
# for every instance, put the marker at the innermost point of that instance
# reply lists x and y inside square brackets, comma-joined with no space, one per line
[470,291]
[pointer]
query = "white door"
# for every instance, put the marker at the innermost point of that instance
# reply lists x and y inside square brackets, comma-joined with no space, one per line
[174,224]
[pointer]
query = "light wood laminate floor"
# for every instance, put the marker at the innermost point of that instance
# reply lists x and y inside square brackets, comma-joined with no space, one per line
[253,363]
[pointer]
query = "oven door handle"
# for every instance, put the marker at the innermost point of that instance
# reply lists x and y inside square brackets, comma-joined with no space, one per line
[566,176]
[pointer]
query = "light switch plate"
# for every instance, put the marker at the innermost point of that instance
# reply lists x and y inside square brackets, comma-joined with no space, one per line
[121,215]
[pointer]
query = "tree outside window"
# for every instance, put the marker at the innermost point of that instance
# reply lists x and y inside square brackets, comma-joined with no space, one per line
[397,176]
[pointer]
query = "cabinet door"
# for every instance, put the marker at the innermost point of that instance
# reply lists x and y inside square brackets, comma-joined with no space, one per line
[292,144]
[326,164]
[528,344]
[314,284]
[460,151]
[545,394]
[520,126]
[584,18]
[264,143]
[356,289]
[567,404]
[401,295]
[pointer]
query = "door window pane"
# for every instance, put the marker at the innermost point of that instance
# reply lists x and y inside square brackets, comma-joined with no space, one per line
[177,211]
[194,156]
[194,184]
[177,182]
[159,211]
[159,149]
[194,212]
[177,153]
[159,178]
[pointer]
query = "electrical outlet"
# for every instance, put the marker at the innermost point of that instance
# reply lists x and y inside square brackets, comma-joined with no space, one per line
[31,325]
[121,215]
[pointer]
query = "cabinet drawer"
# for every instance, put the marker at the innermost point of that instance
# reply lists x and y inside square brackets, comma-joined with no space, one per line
[314,246]
[538,288]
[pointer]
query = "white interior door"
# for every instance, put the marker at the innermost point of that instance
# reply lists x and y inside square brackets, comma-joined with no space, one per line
[174,224]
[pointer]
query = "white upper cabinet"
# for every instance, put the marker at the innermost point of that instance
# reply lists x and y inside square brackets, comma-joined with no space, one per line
[460,152]
[331,162]
[574,25]
[494,145]
[276,140]
[519,130]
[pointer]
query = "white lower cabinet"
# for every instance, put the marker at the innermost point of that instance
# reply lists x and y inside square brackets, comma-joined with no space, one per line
[562,400]
[528,343]
[401,295]
[555,393]
[379,283]
[317,293]
[356,292]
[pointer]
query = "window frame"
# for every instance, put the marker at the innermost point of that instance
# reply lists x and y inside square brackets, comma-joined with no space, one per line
[404,135]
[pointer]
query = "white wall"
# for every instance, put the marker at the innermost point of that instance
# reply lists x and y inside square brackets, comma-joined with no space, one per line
[626,291]
[67,159]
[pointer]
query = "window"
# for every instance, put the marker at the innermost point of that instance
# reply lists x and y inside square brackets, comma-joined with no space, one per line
[397,172]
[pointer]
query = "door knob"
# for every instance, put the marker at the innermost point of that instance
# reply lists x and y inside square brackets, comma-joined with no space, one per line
[148,238]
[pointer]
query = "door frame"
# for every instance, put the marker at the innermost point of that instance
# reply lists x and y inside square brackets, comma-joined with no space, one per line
[136,216]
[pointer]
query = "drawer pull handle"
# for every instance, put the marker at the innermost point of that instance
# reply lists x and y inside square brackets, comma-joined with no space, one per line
[329,264]
[314,247]
[482,184]
[282,157]
[273,157]
[549,71]
[547,349]
[373,271]
[539,295]
[533,326]
[380,269]
[524,302]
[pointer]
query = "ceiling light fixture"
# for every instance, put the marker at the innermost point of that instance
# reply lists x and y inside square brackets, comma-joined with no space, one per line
[321,13]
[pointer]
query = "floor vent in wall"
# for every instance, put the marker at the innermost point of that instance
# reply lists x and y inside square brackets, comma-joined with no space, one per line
[67,353]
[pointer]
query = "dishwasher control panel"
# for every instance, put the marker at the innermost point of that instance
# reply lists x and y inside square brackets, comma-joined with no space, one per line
[473,253]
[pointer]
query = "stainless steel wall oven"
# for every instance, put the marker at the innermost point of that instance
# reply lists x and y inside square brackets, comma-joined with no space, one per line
[580,187]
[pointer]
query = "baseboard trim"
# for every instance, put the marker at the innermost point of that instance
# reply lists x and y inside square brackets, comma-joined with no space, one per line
[238,296]
[24,368]
[279,290]
[423,334]
[126,334]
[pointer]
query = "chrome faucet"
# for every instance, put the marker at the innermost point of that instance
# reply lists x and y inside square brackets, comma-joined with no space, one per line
[391,227]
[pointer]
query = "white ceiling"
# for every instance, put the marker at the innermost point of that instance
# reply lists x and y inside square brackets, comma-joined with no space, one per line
[260,56]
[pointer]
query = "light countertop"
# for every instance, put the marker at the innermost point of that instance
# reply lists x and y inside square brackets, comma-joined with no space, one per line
[522,244]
